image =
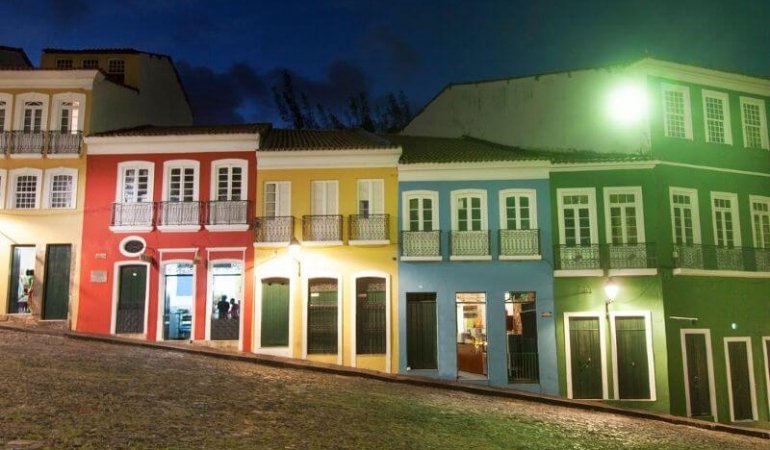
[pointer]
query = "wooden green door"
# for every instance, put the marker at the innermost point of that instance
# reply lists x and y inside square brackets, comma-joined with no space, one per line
[421,345]
[585,357]
[57,281]
[322,316]
[740,380]
[698,381]
[132,293]
[275,313]
[633,366]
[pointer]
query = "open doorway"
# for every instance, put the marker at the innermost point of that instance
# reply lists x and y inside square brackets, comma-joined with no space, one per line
[227,293]
[178,294]
[471,335]
[22,279]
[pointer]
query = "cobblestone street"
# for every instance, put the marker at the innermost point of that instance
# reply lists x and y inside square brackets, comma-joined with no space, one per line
[60,393]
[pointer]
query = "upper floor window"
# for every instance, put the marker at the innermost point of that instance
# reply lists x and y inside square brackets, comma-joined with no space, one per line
[371,197]
[716,112]
[754,123]
[685,221]
[623,214]
[469,210]
[420,211]
[64,64]
[67,113]
[135,182]
[324,197]
[577,217]
[760,219]
[31,112]
[116,68]
[180,181]
[676,111]
[61,188]
[229,180]
[277,198]
[518,210]
[25,188]
[33,117]
[724,208]
[3,115]
[68,117]
[90,64]
[3,177]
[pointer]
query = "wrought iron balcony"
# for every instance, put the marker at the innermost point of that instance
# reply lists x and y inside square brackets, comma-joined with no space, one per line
[629,256]
[64,142]
[5,141]
[584,257]
[322,228]
[369,227]
[232,212]
[469,243]
[132,214]
[519,243]
[274,229]
[179,213]
[712,257]
[420,244]
[27,142]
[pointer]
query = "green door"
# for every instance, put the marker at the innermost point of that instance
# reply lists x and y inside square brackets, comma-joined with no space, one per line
[322,316]
[633,366]
[57,281]
[421,352]
[275,313]
[132,290]
[740,382]
[585,357]
[698,375]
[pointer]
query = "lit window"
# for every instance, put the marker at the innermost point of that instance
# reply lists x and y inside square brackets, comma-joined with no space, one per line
[676,112]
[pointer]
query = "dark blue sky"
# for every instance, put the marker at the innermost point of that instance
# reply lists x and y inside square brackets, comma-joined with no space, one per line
[229,52]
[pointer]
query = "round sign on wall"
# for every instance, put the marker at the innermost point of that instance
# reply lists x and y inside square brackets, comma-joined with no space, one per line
[132,246]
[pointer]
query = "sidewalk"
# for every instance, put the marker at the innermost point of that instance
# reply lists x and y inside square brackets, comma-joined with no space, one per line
[282,362]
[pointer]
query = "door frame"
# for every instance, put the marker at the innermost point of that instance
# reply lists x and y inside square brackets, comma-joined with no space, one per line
[650,357]
[765,341]
[210,292]
[305,292]
[706,332]
[116,292]
[750,359]
[162,297]
[602,349]
[45,285]
[353,310]
[405,344]
[257,337]
[486,325]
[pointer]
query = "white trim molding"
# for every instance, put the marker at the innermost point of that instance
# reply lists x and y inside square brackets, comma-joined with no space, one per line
[750,368]
[116,292]
[162,296]
[650,356]
[692,194]
[47,191]
[175,144]
[602,349]
[18,110]
[305,281]
[709,364]
[24,171]
[765,345]
[726,124]
[761,110]
[288,272]
[6,100]
[327,159]
[354,313]
[686,112]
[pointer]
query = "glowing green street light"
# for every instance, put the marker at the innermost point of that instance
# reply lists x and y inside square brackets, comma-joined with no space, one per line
[627,104]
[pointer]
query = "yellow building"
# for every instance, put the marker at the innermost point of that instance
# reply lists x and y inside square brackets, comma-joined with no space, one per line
[44,114]
[331,296]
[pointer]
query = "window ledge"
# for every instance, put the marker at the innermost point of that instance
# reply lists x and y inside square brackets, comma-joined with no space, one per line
[271,244]
[63,156]
[130,229]
[26,156]
[579,273]
[321,243]
[520,257]
[225,228]
[632,272]
[720,273]
[422,258]
[471,258]
[373,242]
[179,228]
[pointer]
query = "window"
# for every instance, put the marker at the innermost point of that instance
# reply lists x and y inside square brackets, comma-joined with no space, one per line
[370,315]
[63,64]
[229,180]
[116,68]
[30,113]
[469,210]
[716,113]
[685,220]
[623,213]
[3,115]
[521,334]
[371,197]
[634,373]
[61,188]
[90,64]
[68,117]
[135,183]
[277,198]
[420,211]
[676,112]
[324,196]
[760,219]
[724,208]
[3,177]
[518,210]
[25,188]
[754,123]
[181,181]
[577,217]
[33,117]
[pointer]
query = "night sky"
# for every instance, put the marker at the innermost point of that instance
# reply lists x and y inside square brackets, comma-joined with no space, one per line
[229,52]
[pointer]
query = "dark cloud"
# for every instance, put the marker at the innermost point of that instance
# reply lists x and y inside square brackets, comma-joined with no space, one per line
[393,52]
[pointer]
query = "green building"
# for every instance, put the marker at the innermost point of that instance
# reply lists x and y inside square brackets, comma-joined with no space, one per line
[660,196]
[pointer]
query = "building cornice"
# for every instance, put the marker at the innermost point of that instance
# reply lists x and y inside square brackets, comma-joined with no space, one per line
[703,76]
[49,79]
[327,159]
[122,145]
[525,170]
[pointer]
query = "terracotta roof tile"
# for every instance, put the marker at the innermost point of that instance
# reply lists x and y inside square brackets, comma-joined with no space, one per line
[296,140]
[150,130]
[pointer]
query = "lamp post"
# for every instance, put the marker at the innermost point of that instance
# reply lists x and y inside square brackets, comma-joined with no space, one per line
[611,289]
[294,249]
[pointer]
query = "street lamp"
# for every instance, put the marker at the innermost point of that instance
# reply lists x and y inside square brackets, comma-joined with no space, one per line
[611,289]
[294,248]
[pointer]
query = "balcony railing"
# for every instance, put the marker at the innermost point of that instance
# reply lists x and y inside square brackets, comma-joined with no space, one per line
[469,243]
[712,257]
[419,244]
[605,256]
[64,142]
[5,141]
[584,257]
[27,143]
[274,229]
[132,214]
[371,227]
[519,242]
[233,212]
[179,213]
[322,228]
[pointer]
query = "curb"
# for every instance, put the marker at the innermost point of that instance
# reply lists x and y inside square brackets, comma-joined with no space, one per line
[290,363]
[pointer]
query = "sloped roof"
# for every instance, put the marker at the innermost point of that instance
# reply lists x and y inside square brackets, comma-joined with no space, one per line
[279,139]
[150,130]
[13,57]
[425,149]
[124,51]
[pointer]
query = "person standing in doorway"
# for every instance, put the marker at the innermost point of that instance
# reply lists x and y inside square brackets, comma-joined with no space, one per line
[26,286]
[235,309]
[223,307]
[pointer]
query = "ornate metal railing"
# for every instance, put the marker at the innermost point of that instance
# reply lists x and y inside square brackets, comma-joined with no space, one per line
[713,257]
[629,256]
[64,142]
[273,229]
[585,257]
[132,214]
[27,142]
[371,227]
[519,242]
[469,243]
[179,213]
[420,243]
[322,228]
[5,141]
[233,212]
[761,259]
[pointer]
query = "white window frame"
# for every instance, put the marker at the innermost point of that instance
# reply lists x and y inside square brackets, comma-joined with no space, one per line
[765,340]
[353,301]
[531,194]
[469,193]
[693,194]
[58,103]
[374,183]
[14,174]
[8,99]
[726,123]
[168,166]
[762,119]
[327,211]
[240,163]
[305,283]
[685,91]
[3,183]
[122,166]
[750,360]
[650,357]
[49,174]
[591,192]
[709,364]
[758,242]
[636,191]
[602,349]
[733,198]
[281,204]
[406,196]
[21,100]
